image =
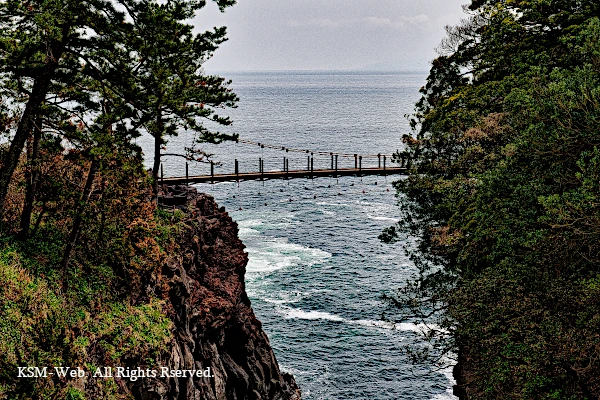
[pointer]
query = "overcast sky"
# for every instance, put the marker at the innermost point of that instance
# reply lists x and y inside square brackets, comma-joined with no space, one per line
[329,34]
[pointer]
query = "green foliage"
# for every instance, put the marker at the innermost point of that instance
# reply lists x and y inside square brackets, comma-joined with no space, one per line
[504,197]
[39,327]
[30,321]
[80,238]
[74,394]
[97,74]
[129,330]
[97,310]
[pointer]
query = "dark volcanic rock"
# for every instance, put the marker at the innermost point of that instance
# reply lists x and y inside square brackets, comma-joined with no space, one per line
[215,326]
[464,388]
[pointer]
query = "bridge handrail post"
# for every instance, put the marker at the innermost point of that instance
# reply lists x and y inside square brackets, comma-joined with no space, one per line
[384,157]
[237,170]
[360,165]
[331,160]
[187,174]
[311,165]
[212,171]
[336,165]
[355,161]
[379,160]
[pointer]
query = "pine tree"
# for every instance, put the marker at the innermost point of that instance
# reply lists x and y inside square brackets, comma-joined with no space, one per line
[169,90]
[41,42]
[60,58]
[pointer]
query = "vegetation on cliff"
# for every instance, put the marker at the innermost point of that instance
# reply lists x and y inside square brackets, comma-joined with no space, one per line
[95,313]
[80,237]
[505,198]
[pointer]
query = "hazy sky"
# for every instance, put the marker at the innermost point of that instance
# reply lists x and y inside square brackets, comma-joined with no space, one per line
[329,34]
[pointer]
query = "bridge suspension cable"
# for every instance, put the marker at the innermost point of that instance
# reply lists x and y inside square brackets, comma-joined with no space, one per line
[294,150]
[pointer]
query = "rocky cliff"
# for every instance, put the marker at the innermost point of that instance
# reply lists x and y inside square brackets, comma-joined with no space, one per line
[215,327]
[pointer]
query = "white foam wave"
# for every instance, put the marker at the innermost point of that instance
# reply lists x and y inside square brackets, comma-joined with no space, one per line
[313,315]
[249,223]
[382,218]
[327,212]
[285,297]
[261,262]
[245,232]
[447,372]
[295,313]
[403,326]
[286,247]
[324,203]
[376,324]
[273,254]
[278,301]
[260,226]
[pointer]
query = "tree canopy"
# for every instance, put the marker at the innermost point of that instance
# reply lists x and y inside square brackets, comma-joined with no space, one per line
[80,237]
[67,63]
[504,197]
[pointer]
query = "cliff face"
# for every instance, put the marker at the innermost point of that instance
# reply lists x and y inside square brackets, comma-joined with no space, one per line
[458,372]
[215,326]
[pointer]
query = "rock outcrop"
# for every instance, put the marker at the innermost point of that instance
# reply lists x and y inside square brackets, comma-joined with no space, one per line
[215,326]
[464,389]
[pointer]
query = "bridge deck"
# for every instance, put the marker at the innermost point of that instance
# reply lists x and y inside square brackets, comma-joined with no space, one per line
[284,175]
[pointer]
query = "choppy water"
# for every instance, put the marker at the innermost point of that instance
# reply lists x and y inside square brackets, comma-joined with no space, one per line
[316,269]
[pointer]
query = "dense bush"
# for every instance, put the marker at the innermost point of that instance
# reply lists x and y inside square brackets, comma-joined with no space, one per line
[43,328]
[505,198]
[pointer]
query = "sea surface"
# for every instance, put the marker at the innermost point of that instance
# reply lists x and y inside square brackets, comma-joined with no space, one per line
[316,268]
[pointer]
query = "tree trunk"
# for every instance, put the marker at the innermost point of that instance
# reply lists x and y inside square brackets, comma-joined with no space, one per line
[102,212]
[32,110]
[158,135]
[87,191]
[32,177]
[40,217]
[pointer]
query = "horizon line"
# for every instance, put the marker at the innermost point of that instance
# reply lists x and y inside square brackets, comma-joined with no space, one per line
[381,70]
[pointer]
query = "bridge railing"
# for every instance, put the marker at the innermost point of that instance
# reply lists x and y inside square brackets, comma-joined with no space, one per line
[253,160]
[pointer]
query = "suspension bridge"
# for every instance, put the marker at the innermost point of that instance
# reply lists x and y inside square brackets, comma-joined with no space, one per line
[374,164]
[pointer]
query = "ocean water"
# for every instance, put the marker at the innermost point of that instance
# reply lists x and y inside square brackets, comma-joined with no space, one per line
[316,269]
